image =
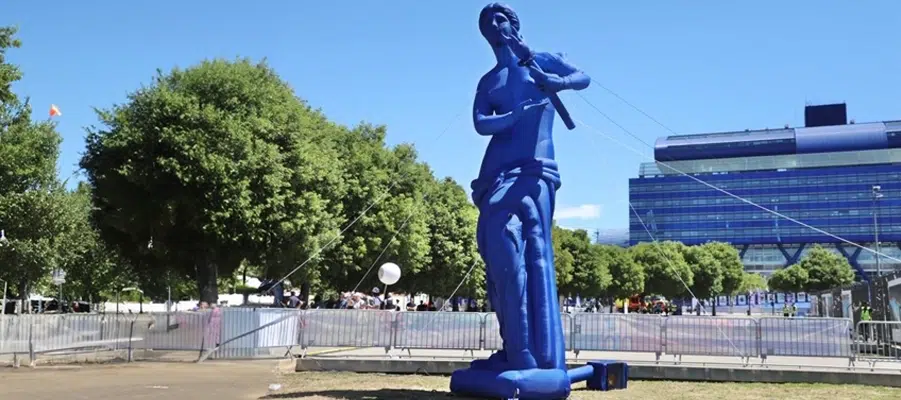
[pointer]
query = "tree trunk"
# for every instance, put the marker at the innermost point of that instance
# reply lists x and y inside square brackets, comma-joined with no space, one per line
[23,296]
[207,285]
[305,293]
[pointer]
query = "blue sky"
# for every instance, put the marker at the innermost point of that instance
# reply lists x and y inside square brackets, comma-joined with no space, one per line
[695,66]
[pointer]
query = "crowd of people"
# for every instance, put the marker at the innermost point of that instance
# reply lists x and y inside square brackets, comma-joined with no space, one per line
[375,300]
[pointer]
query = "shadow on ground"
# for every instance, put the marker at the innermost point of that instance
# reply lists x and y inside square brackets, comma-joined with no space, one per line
[381,394]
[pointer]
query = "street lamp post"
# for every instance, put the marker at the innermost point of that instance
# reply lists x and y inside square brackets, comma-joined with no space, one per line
[3,242]
[877,194]
[749,303]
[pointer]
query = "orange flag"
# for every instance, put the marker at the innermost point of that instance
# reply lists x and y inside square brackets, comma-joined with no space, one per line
[54,111]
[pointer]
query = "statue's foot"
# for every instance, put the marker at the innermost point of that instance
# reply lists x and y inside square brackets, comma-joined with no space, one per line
[527,384]
[494,362]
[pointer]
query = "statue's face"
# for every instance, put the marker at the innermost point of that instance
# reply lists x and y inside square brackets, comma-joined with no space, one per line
[496,28]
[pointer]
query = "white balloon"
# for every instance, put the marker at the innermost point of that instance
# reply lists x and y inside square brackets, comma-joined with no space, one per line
[389,273]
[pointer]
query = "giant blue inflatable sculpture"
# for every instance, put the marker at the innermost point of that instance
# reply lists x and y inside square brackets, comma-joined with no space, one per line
[515,191]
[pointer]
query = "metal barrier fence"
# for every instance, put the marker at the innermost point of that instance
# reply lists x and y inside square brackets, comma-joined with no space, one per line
[65,334]
[878,341]
[250,333]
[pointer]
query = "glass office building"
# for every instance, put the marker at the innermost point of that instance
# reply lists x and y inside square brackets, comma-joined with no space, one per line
[843,181]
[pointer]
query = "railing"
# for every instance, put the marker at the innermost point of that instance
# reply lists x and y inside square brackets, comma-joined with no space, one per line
[249,333]
[65,334]
[878,341]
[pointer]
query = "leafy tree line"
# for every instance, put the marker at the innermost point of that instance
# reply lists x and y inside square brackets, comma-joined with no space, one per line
[46,226]
[670,269]
[218,171]
[819,269]
[221,165]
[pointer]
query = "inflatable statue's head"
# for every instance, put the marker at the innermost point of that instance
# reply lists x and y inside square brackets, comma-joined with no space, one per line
[494,19]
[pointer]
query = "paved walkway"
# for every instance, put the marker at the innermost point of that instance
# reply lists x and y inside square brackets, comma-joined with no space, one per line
[177,381]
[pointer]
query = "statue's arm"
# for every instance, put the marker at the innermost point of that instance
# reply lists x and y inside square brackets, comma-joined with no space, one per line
[573,77]
[486,123]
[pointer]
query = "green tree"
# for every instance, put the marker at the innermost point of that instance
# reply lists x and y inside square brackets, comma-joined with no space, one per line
[825,269]
[28,150]
[791,279]
[216,163]
[627,277]
[706,270]
[36,223]
[751,282]
[452,246]
[590,265]
[93,270]
[730,266]
[34,209]
[564,260]
[9,73]
[666,271]
[385,193]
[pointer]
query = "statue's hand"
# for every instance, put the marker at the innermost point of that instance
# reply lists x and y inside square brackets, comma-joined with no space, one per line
[530,105]
[548,83]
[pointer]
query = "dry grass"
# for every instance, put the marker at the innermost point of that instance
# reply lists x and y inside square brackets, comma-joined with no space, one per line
[337,385]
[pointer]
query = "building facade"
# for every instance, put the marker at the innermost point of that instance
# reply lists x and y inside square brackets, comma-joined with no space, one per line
[774,193]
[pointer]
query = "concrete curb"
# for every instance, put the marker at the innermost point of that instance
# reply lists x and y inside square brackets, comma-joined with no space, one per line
[331,351]
[636,371]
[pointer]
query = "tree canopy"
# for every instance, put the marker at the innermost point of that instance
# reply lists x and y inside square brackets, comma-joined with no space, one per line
[819,269]
[221,163]
[216,163]
[666,271]
[751,282]
[42,221]
[582,268]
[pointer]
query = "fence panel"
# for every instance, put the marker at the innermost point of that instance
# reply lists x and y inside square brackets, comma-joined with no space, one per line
[13,335]
[438,330]
[805,337]
[253,332]
[55,333]
[877,341]
[179,331]
[711,336]
[493,336]
[618,332]
[347,328]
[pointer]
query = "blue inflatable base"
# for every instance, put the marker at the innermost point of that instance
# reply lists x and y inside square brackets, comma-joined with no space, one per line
[485,379]
[528,384]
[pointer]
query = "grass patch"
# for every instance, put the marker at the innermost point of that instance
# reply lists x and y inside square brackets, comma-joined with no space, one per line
[353,386]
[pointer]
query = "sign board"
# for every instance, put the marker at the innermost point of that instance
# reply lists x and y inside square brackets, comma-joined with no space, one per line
[789,297]
[59,277]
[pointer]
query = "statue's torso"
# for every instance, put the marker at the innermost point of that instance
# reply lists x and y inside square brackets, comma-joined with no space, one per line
[531,137]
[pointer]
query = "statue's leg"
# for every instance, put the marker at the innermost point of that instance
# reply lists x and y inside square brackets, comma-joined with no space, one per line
[548,345]
[518,214]
[498,360]
[505,250]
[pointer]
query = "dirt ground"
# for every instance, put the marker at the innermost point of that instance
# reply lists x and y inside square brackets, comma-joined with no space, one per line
[251,380]
[145,380]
